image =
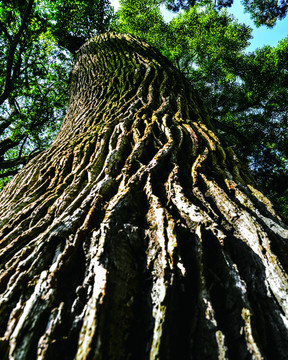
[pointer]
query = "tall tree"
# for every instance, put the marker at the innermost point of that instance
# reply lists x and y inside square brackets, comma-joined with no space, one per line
[138,234]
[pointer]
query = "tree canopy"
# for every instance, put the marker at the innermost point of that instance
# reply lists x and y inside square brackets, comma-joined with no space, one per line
[262,12]
[244,92]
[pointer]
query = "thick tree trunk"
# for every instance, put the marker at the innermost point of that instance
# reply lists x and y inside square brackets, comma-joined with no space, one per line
[137,235]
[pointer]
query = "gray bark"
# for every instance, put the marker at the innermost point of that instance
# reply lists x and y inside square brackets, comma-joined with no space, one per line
[138,234]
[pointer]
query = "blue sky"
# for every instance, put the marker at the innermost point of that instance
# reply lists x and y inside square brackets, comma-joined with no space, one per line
[261,36]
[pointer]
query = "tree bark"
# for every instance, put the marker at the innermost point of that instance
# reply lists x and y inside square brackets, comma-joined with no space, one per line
[137,234]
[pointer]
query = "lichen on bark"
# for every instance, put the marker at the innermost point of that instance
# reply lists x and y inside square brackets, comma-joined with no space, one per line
[138,234]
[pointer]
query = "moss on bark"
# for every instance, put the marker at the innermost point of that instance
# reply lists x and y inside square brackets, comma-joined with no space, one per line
[137,234]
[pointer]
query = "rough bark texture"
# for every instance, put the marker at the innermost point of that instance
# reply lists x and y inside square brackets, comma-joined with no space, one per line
[137,235]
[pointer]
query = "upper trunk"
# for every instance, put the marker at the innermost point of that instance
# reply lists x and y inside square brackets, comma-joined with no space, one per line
[137,234]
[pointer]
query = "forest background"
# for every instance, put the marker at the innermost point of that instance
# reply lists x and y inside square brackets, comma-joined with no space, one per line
[245,92]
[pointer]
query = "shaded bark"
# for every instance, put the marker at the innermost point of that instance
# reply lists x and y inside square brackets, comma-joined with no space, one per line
[137,234]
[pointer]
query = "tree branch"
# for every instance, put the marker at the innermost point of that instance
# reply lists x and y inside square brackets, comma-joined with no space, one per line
[7,144]
[8,173]
[11,56]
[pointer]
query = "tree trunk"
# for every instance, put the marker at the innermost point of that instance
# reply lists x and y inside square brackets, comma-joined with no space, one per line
[137,235]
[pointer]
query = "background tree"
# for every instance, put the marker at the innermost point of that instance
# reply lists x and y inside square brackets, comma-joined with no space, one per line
[138,234]
[35,37]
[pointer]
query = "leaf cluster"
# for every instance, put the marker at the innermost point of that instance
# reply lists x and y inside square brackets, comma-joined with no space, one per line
[262,12]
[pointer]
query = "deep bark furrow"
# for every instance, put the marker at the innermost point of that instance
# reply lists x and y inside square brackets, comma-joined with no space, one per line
[138,235]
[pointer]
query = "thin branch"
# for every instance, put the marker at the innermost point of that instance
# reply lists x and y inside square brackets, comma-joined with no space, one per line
[22,147]
[6,164]
[7,144]
[229,129]
[4,29]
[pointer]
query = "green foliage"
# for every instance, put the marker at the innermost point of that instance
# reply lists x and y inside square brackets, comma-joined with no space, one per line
[143,19]
[205,38]
[73,22]
[262,12]
[37,40]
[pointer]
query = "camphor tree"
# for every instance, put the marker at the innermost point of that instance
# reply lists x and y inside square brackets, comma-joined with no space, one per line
[138,234]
